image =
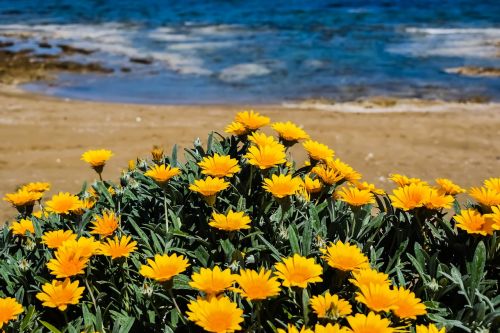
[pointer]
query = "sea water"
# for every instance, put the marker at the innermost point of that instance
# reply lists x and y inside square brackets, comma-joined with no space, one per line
[265,51]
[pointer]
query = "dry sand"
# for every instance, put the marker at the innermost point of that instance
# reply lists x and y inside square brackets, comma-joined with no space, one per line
[42,138]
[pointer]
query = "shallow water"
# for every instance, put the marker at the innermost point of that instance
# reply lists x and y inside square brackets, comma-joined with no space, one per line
[266,51]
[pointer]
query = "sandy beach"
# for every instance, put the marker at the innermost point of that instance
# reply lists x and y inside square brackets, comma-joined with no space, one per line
[42,138]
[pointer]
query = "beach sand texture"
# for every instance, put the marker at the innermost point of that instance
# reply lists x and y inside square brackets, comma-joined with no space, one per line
[42,138]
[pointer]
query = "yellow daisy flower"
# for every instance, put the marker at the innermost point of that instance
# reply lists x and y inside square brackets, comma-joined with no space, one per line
[97,158]
[236,128]
[473,222]
[329,328]
[157,153]
[256,286]
[377,297]
[408,306]
[231,222]
[347,172]
[290,132]
[438,201]
[9,310]
[292,329]
[164,267]
[84,246]
[106,224]
[36,187]
[265,157]
[54,239]
[261,139]
[67,262]
[282,186]
[212,281]
[485,196]
[318,151]
[330,306]
[402,180]
[355,197]
[219,166]
[430,329]
[22,198]
[209,188]
[252,120]
[495,217]
[493,184]
[215,314]
[410,196]
[22,227]
[161,174]
[312,185]
[447,187]
[298,271]
[60,294]
[367,276]
[345,257]
[63,203]
[328,175]
[118,247]
[361,323]
[370,187]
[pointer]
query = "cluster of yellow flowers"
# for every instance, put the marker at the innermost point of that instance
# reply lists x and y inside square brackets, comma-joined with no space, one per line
[215,309]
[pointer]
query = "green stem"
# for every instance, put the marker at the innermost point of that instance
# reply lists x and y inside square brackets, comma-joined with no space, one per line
[177,306]
[91,294]
[166,209]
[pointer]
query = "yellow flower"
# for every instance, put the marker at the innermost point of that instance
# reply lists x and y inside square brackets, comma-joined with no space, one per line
[345,257]
[9,310]
[236,128]
[430,329]
[209,187]
[256,286]
[355,197]
[438,201]
[118,247]
[407,305]
[37,187]
[282,185]
[367,276]
[495,217]
[106,224]
[410,196]
[63,203]
[59,294]
[318,151]
[402,180]
[292,329]
[265,157]
[330,306]
[22,227]
[473,222]
[219,166]
[493,184]
[215,314]
[212,281]
[370,324]
[131,165]
[97,158]
[298,271]
[40,215]
[329,328]
[68,262]
[162,173]
[22,198]
[370,187]
[377,297]
[252,120]
[312,185]
[54,239]
[164,267]
[347,172]
[290,132]
[230,222]
[485,196]
[328,175]
[446,186]
[157,153]
[261,139]
[88,203]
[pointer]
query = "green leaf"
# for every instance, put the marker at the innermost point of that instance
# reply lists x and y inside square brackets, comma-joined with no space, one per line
[50,327]
[294,240]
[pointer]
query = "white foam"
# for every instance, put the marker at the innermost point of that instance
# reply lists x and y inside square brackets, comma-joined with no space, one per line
[241,72]
[450,42]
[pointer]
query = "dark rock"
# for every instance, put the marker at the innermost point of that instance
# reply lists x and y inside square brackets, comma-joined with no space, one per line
[68,49]
[144,61]
[6,43]
[125,69]
[44,45]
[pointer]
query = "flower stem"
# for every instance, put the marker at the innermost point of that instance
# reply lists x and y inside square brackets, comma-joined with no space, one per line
[176,306]
[166,209]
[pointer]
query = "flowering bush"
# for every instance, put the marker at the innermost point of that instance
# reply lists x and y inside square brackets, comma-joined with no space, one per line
[240,237]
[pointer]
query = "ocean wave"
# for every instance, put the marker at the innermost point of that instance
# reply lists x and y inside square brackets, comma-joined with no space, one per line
[241,72]
[450,42]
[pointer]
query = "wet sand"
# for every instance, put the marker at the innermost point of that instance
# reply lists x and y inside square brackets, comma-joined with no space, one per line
[42,138]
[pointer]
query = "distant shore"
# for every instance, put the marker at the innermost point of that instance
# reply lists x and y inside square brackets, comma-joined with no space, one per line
[42,138]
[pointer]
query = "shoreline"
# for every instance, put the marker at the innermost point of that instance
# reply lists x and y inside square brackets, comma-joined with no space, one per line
[43,137]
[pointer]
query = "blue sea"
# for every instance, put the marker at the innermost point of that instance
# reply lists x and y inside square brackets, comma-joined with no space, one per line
[264,51]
